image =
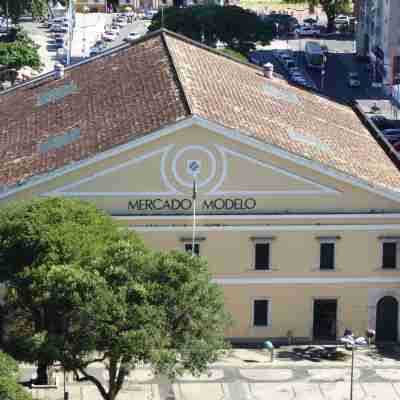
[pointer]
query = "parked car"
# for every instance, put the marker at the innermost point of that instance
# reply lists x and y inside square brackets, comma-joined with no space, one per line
[132,36]
[342,19]
[109,36]
[353,80]
[289,64]
[115,29]
[121,22]
[391,134]
[94,51]
[382,122]
[149,14]
[396,145]
[307,31]
[101,46]
[310,21]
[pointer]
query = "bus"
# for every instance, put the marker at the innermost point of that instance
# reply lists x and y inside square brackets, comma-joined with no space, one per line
[315,55]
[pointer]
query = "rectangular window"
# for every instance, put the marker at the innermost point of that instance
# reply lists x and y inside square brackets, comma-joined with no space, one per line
[389,256]
[188,248]
[327,255]
[260,312]
[261,256]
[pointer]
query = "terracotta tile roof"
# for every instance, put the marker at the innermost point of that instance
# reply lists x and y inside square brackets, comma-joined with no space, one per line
[139,88]
[303,123]
[111,100]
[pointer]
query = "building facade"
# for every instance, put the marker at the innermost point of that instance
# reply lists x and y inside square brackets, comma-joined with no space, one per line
[298,206]
[379,38]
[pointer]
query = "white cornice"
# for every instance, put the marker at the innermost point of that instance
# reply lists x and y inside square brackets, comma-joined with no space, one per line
[256,217]
[267,228]
[308,281]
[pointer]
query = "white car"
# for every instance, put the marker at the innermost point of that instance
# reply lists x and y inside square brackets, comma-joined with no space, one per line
[115,29]
[109,36]
[307,31]
[342,19]
[121,22]
[132,36]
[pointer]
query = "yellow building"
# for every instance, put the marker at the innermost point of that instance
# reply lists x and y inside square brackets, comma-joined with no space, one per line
[298,203]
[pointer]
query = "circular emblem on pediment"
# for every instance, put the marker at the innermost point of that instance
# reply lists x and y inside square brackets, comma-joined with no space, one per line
[183,165]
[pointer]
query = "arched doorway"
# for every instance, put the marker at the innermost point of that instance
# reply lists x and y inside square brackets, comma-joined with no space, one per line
[387,312]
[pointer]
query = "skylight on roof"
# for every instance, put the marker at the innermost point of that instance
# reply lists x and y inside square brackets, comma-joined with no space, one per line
[311,140]
[56,142]
[281,94]
[56,94]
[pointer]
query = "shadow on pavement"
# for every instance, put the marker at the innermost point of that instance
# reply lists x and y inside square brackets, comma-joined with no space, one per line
[389,351]
[312,353]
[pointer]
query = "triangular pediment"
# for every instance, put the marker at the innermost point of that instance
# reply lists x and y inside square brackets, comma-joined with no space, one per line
[168,172]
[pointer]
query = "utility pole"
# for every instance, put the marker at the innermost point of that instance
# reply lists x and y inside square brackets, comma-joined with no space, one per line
[70,29]
[7,15]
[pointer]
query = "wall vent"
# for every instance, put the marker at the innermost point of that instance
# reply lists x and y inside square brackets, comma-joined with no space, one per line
[308,139]
[281,94]
[56,142]
[57,93]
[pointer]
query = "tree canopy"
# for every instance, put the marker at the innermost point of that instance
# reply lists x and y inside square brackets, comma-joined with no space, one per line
[9,387]
[82,291]
[240,29]
[42,233]
[16,8]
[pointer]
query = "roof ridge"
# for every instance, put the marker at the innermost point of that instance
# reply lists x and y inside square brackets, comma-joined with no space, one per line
[176,72]
[209,49]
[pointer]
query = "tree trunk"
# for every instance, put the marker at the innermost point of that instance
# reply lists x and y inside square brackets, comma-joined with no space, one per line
[331,23]
[42,378]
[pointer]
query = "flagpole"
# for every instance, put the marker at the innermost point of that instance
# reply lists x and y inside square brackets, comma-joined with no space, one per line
[194,216]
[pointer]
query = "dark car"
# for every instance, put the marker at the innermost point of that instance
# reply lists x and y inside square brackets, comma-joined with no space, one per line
[382,122]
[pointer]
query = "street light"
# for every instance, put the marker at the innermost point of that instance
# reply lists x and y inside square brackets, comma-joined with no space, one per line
[349,340]
[352,371]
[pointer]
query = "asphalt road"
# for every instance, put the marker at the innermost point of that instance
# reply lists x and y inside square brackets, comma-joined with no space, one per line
[340,61]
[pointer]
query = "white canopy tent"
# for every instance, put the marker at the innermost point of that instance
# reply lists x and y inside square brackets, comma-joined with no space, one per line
[59,10]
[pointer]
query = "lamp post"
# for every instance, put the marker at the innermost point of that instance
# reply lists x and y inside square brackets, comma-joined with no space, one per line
[66,394]
[352,371]
[349,340]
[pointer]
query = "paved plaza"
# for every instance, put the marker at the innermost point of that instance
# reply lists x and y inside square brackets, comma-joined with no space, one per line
[249,375]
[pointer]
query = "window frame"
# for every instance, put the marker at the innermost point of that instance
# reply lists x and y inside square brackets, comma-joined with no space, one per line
[390,240]
[188,243]
[256,241]
[268,300]
[327,241]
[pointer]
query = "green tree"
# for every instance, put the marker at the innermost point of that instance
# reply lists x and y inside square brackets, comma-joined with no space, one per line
[132,305]
[19,54]
[16,8]
[9,387]
[34,235]
[332,8]
[237,27]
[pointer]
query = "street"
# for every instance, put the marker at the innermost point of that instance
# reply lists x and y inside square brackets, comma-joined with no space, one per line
[88,29]
[341,60]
